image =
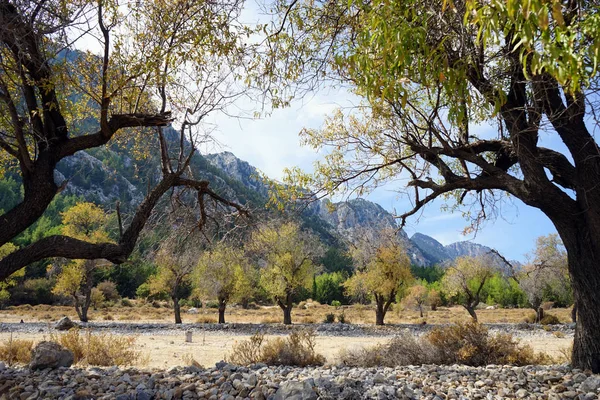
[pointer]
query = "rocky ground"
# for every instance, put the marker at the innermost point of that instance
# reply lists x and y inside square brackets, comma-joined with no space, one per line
[230,382]
[346,330]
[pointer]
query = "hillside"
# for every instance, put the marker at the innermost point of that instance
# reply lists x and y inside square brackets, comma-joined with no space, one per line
[107,175]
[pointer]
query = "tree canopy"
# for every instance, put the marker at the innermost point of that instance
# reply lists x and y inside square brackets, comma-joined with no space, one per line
[80,75]
[457,96]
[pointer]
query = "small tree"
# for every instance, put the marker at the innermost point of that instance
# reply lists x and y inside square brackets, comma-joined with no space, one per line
[224,273]
[547,273]
[418,296]
[465,280]
[84,221]
[385,272]
[290,256]
[172,276]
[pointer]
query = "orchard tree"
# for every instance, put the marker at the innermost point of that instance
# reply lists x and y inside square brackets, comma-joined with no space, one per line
[85,222]
[79,75]
[546,273]
[465,280]
[226,274]
[418,296]
[383,271]
[457,98]
[290,255]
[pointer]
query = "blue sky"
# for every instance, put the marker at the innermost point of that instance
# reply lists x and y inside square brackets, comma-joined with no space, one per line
[272,143]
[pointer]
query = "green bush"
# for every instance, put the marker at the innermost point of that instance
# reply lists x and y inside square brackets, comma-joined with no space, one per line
[329,287]
[211,304]
[336,304]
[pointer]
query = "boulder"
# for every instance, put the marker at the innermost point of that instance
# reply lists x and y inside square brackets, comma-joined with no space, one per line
[591,384]
[192,310]
[64,324]
[50,355]
[294,390]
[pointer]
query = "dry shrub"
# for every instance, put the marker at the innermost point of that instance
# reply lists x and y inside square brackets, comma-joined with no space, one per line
[469,344]
[206,319]
[271,319]
[188,359]
[101,349]
[298,349]
[16,351]
[550,319]
[559,334]
[404,349]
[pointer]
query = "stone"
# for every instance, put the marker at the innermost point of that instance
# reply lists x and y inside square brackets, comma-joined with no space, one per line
[64,324]
[192,310]
[294,390]
[50,355]
[591,384]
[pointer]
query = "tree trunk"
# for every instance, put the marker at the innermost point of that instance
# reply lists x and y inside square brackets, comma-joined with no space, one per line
[78,309]
[585,278]
[222,305]
[286,307]
[539,315]
[471,310]
[574,313]
[379,312]
[176,309]
[421,310]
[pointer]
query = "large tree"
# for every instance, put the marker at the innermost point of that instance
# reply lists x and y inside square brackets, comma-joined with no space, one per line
[434,75]
[139,68]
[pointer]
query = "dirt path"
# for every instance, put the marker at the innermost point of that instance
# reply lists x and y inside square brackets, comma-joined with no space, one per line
[164,351]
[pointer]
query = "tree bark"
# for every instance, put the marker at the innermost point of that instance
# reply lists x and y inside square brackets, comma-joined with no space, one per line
[222,305]
[471,310]
[176,309]
[574,313]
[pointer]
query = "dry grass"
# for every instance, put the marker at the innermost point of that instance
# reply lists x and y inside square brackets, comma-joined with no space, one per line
[100,349]
[358,314]
[297,349]
[14,351]
[468,344]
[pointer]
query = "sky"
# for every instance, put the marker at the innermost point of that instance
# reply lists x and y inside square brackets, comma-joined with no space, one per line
[272,143]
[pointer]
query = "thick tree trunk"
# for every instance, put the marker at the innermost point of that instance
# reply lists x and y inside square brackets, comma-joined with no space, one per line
[176,309]
[574,312]
[286,307]
[471,310]
[222,305]
[585,277]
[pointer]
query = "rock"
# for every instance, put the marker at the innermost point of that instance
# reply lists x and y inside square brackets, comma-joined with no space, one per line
[591,384]
[64,324]
[50,355]
[192,310]
[294,390]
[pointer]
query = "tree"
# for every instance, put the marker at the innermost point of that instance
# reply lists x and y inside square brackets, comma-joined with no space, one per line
[384,271]
[433,73]
[547,272]
[418,296]
[465,280]
[329,287]
[290,255]
[157,63]
[172,276]
[84,222]
[224,273]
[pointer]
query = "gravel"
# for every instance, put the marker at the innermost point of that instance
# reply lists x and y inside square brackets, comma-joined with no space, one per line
[230,382]
[347,330]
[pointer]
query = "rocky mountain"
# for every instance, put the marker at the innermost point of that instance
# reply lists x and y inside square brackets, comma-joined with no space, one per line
[108,175]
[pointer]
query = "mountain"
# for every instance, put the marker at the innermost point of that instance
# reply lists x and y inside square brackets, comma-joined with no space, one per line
[110,174]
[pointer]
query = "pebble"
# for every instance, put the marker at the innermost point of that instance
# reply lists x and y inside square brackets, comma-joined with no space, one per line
[327,382]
